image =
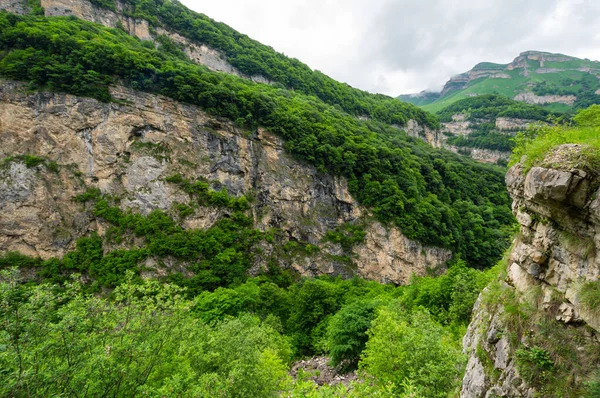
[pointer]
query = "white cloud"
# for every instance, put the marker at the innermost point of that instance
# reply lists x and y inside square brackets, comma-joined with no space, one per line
[401,46]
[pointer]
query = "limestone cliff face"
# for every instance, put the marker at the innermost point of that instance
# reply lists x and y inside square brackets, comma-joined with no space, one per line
[128,148]
[556,253]
[461,126]
[432,137]
[531,98]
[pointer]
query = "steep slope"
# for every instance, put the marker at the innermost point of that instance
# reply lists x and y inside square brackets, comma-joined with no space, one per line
[556,81]
[130,150]
[482,127]
[536,331]
[221,48]
[429,194]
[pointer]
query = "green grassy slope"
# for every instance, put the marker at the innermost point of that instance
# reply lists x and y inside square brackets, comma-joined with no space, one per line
[556,74]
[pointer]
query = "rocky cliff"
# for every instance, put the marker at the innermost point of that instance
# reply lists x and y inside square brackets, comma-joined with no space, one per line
[536,331]
[461,126]
[128,147]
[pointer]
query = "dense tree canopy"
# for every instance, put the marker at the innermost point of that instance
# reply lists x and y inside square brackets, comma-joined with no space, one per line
[435,197]
[492,106]
[482,111]
[253,58]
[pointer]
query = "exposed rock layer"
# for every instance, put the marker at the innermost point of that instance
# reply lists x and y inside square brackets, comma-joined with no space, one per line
[462,126]
[558,208]
[128,149]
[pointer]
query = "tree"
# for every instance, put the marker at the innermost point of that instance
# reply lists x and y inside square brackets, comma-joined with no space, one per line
[347,333]
[412,349]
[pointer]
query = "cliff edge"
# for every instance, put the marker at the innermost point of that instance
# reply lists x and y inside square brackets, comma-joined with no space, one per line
[536,331]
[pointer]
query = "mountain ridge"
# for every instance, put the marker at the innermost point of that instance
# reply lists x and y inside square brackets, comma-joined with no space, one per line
[558,81]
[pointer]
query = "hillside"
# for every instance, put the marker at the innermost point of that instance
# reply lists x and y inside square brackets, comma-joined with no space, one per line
[483,127]
[556,81]
[400,180]
[221,48]
[185,212]
[171,225]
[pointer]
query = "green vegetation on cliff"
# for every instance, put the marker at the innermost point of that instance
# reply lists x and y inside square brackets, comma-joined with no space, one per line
[255,59]
[533,145]
[492,106]
[483,111]
[433,196]
[534,72]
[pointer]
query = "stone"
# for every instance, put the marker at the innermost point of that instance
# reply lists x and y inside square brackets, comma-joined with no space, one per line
[474,383]
[502,354]
[129,150]
[567,313]
[552,256]
[539,258]
[543,184]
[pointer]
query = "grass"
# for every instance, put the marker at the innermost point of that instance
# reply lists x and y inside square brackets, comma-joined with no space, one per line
[519,83]
[582,246]
[533,146]
[31,161]
[589,295]
[548,353]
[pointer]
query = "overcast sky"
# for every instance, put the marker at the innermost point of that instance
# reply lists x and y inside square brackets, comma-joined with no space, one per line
[404,46]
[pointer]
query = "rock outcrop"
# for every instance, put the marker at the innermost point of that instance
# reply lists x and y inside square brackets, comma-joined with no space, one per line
[414,129]
[127,148]
[531,98]
[556,253]
[462,126]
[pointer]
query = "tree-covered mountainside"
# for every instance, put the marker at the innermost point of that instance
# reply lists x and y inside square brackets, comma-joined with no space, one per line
[253,58]
[434,196]
[491,107]
[159,340]
[556,81]
[483,111]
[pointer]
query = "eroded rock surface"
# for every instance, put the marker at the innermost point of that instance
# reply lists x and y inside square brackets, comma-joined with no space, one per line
[555,254]
[128,148]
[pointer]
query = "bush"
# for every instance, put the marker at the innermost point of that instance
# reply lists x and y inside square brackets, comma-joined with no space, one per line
[412,348]
[347,333]
[145,341]
[535,365]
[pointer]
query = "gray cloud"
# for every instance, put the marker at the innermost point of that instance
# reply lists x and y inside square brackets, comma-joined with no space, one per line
[399,46]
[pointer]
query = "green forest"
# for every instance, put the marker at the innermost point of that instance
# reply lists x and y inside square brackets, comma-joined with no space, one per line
[483,110]
[253,58]
[100,321]
[434,196]
[155,339]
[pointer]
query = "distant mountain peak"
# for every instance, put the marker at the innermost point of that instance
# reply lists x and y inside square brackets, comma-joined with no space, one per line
[533,76]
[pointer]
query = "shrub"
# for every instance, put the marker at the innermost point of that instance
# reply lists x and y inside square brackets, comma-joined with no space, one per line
[534,364]
[347,333]
[412,348]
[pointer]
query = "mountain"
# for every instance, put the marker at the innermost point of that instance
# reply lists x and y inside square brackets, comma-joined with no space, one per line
[483,127]
[558,82]
[420,99]
[186,212]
